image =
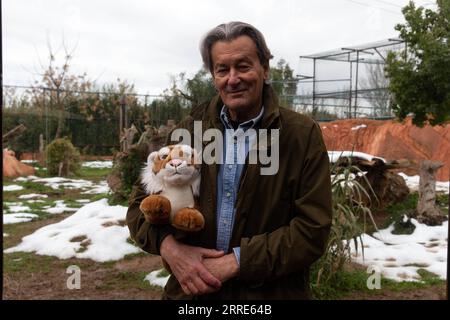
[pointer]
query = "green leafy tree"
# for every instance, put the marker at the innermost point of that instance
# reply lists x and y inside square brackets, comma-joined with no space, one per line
[420,77]
[284,83]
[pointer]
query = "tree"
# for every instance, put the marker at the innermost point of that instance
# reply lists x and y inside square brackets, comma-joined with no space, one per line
[200,88]
[420,75]
[60,84]
[380,97]
[284,83]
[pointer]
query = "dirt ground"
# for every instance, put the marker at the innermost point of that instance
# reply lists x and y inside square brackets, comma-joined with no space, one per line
[29,276]
[436,292]
[39,277]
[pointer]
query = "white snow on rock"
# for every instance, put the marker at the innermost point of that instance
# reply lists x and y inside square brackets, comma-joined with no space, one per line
[93,228]
[153,278]
[98,164]
[398,257]
[32,196]
[335,155]
[12,187]
[361,126]
[9,218]
[28,161]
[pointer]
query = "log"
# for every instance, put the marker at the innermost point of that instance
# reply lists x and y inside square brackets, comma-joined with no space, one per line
[14,133]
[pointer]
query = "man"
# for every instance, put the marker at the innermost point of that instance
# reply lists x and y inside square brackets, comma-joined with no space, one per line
[262,232]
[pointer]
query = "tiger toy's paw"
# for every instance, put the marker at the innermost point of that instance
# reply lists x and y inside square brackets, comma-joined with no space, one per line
[156,209]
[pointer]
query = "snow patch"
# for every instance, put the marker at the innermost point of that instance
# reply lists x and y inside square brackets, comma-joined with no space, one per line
[413,183]
[98,164]
[32,196]
[12,187]
[59,207]
[10,218]
[153,278]
[398,257]
[92,232]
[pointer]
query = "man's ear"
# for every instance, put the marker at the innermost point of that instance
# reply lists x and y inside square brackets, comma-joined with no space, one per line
[266,72]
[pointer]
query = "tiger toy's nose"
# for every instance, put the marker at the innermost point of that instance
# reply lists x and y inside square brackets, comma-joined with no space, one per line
[175,162]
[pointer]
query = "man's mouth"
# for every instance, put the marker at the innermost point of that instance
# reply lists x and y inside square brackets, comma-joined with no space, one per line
[237,91]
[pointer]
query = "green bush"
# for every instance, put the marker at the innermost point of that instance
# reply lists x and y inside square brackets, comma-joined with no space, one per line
[62,158]
[350,215]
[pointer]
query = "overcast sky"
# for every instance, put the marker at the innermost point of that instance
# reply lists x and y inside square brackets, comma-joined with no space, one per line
[145,42]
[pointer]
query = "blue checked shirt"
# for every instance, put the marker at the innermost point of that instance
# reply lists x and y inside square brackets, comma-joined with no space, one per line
[235,152]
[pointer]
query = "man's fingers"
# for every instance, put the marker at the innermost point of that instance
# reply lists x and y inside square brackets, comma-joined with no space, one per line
[186,289]
[209,279]
[192,288]
[201,286]
[211,253]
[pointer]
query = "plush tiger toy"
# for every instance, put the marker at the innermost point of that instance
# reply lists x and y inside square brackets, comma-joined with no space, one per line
[171,177]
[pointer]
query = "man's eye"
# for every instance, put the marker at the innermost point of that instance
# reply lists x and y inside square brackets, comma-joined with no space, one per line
[221,71]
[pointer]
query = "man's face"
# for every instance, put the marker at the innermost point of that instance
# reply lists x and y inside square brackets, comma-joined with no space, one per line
[238,74]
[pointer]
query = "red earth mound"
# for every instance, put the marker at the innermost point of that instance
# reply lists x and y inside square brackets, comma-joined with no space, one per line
[391,140]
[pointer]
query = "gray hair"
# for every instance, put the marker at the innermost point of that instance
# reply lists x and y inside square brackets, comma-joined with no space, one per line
[228,32]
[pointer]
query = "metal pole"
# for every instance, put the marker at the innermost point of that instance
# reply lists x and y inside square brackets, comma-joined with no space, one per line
[314,86]
[356,81]
[121,116]
[350,89]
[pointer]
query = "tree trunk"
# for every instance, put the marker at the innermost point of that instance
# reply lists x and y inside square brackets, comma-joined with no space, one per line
[61,115]
[427,211]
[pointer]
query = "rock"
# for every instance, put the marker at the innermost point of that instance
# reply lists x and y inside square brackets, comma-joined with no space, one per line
[14,168]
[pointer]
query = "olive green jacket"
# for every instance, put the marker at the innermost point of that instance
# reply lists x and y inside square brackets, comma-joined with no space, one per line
[282,221]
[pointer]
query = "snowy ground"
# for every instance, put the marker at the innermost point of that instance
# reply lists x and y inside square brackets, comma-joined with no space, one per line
[398,257]
[95,231]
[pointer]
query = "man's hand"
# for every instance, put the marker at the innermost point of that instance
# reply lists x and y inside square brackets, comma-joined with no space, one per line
[223,268]
[186,263]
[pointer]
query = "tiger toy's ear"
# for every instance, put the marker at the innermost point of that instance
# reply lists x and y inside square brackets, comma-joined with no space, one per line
[152,183]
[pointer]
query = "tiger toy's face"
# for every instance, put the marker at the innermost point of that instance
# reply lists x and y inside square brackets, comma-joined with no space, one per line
[171,165]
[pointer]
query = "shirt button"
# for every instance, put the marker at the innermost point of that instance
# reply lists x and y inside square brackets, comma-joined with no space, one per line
[228,194]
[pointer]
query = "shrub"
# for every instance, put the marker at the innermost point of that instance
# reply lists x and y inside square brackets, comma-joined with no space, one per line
[348,223]
[62,158]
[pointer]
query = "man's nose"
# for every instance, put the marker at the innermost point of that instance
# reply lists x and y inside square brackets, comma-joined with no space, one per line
[234,79]
[175,162]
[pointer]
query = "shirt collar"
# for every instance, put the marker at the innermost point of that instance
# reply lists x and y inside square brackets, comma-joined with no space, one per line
[244,125]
